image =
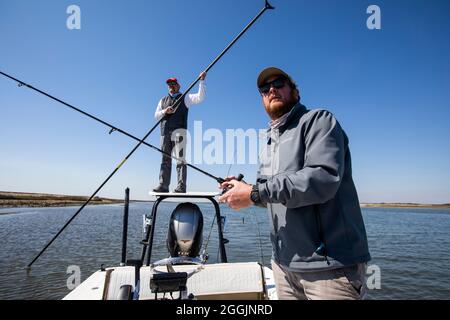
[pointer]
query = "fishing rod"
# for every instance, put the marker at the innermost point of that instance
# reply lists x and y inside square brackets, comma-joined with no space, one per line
[175,106]
[113,128]
[266,7]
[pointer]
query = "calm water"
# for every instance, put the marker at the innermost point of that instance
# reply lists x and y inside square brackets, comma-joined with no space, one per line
[410,246]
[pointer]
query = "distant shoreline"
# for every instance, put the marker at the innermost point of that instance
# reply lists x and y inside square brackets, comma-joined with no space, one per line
[406,205]
[27,199]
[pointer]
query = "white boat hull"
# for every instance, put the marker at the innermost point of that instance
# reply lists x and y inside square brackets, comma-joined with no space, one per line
[221,281]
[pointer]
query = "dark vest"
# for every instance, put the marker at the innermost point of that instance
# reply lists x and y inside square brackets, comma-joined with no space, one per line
[176,120]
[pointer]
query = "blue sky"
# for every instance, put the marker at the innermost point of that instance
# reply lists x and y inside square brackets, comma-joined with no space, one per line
[389,88]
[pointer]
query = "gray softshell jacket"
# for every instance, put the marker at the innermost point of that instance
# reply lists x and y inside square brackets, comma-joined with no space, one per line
[305,181]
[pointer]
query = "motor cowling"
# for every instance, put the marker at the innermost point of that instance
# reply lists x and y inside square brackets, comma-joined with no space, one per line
[185,235]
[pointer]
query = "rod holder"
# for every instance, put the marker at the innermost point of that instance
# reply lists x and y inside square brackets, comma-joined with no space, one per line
[125,227]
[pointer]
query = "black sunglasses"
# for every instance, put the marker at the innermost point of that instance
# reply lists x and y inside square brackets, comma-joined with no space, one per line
[172,83]
[278,83]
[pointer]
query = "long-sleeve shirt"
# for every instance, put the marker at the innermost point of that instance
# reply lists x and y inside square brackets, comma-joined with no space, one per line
[189,99]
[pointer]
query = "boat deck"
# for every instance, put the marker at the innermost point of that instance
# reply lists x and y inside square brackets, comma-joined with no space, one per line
[222,281]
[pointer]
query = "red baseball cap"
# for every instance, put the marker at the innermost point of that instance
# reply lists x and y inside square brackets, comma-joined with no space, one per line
[171,80]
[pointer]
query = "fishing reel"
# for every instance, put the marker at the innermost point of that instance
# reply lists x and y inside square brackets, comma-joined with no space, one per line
[239,178]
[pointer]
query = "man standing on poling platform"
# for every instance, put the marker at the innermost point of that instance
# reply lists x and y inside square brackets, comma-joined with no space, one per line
[173,131]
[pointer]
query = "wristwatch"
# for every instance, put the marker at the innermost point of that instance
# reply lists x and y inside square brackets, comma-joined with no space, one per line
[254,194]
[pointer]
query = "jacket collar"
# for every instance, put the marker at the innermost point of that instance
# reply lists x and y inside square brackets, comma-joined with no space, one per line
[297,111]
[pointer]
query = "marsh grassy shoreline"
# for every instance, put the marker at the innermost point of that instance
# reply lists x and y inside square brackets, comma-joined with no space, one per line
[406,205]
[26,199]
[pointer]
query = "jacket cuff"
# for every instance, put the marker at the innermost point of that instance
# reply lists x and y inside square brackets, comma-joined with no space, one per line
[263,194]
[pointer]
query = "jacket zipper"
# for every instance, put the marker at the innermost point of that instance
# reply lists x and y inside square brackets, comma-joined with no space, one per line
[323,244]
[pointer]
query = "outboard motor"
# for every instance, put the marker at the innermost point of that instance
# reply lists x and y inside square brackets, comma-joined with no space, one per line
[185,235]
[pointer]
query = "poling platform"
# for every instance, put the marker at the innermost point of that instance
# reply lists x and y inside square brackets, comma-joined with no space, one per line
[185,195]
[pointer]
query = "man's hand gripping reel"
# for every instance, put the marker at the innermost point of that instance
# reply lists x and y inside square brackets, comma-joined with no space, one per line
[226,189]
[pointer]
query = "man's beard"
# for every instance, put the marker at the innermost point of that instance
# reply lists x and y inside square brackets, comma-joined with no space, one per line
[280,110]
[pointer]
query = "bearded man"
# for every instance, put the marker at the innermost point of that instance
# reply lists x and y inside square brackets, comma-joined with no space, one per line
[318,237]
